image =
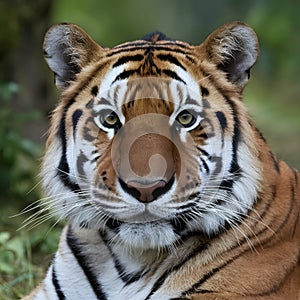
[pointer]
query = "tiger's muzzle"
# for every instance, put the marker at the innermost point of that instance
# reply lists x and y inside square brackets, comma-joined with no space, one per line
[145,157]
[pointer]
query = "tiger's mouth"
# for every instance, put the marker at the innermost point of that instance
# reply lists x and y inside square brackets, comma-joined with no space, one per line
[178,224]
[148,224]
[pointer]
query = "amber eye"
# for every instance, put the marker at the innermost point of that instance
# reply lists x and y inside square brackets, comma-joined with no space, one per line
[110,119]
[186,119]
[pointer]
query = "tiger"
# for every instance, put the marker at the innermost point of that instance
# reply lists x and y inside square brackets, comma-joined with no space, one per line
[167,188]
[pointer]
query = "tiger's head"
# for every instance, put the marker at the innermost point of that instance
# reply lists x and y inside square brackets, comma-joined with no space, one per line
[150,142]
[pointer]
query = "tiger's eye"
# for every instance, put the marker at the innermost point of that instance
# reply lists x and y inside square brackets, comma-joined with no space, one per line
[186,119]
[110,119]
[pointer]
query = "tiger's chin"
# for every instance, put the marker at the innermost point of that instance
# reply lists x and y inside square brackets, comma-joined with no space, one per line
[145,236]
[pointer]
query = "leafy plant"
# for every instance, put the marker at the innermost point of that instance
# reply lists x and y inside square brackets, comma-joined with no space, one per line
[23,260]
[24,254]
[18,156]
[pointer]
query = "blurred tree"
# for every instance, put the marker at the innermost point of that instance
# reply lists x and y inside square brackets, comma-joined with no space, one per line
[22,26]
[278,27]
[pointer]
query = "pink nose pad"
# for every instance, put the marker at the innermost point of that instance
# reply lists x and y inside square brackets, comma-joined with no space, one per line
[146,190]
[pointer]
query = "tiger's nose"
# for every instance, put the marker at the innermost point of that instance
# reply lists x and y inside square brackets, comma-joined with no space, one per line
[146,192]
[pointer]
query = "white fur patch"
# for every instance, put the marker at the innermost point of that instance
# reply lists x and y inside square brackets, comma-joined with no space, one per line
[152,235]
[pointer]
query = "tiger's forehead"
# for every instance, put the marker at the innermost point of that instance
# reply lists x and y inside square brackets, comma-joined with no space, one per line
[149,94]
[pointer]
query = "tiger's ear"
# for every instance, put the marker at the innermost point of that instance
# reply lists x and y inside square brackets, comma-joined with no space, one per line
[234,49]
[67,49]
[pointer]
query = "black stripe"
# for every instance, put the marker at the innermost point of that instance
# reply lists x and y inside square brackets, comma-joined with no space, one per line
[63,167]
[162,279]
[75,118]
[234,167]
[275,232]
[205,135]
[204,292]
[81,259]
[103,101]
[226,184]
[262,214]
[125,59]
[173,75]
[176,43]
[94,91]
[222,119]
[275,162]
[208,275]
[175,49]
[195,287]
[144,44]
[170,58]
[154,47]
[127,278]
[124,75]
[57,287]
[181,221]
[192,101]
[205,153]
[90,104]
[260,134]
[188,206]
[136,44]
[204,165]
[204,91]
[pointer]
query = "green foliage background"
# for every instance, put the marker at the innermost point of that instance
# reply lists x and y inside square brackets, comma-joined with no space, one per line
[27,95]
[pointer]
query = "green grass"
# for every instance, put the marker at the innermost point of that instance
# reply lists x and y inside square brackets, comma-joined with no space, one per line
[24,257]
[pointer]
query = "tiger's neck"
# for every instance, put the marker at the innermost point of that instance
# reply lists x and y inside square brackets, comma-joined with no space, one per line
[276,211]
[266,242]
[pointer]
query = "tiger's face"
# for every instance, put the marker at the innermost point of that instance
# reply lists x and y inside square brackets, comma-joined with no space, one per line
[151,142]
